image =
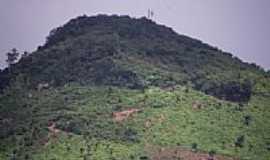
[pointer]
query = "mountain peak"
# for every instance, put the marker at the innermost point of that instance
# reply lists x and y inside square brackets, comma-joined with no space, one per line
[134,53]
[82,24]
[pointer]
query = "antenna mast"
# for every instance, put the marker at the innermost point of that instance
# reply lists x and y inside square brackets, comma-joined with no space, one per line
[150,13]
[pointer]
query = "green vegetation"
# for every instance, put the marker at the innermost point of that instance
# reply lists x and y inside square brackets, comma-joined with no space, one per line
[134,53]
[59,102]
[84,114]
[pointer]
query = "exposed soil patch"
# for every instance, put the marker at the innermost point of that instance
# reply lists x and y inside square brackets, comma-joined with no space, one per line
[150,122]
[123,115]
[196,105]
[180,153]
[53,133]
[52,129]
[169,88]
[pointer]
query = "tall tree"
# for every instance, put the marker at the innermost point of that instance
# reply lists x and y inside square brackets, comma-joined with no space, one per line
[12,56]
[25,54]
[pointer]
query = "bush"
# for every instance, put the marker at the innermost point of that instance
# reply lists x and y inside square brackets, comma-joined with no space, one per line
[239,142]
[144,158]
[130,135]
[247,120]
[211,155]
[194,147]
[268,146]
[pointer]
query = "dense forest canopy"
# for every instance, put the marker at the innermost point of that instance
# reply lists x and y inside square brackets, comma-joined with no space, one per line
[106,50]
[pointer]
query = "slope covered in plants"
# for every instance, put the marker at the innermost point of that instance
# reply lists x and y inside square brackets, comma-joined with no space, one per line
[110,87]
[134,53]
[175,119]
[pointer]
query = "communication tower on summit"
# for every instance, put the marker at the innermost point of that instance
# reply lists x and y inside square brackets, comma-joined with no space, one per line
[150,13]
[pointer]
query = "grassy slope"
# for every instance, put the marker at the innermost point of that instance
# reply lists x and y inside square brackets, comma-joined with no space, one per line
[86,113]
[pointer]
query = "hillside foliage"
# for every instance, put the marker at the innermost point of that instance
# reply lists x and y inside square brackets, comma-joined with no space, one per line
[59,101]
[134,53]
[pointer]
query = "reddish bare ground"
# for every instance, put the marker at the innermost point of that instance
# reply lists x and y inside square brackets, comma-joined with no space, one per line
[157,153]
[197,105]
[52,129]
[123,115]
[151,121]
[53,133]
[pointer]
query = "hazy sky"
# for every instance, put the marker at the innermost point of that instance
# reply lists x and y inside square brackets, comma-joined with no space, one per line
[241,27]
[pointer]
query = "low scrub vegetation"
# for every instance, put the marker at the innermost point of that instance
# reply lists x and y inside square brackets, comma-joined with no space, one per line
[84,118]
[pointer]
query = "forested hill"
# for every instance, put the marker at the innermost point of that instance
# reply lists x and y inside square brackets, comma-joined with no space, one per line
[120,88]
[134,53]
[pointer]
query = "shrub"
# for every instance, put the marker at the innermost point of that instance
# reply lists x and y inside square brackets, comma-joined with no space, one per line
[26,157]
[211,154]
[144,158]
[239,142]
[194,147]
[247,120]
[130,135]
[268,146]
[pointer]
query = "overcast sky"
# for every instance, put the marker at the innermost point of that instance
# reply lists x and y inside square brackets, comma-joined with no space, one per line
[241,27]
